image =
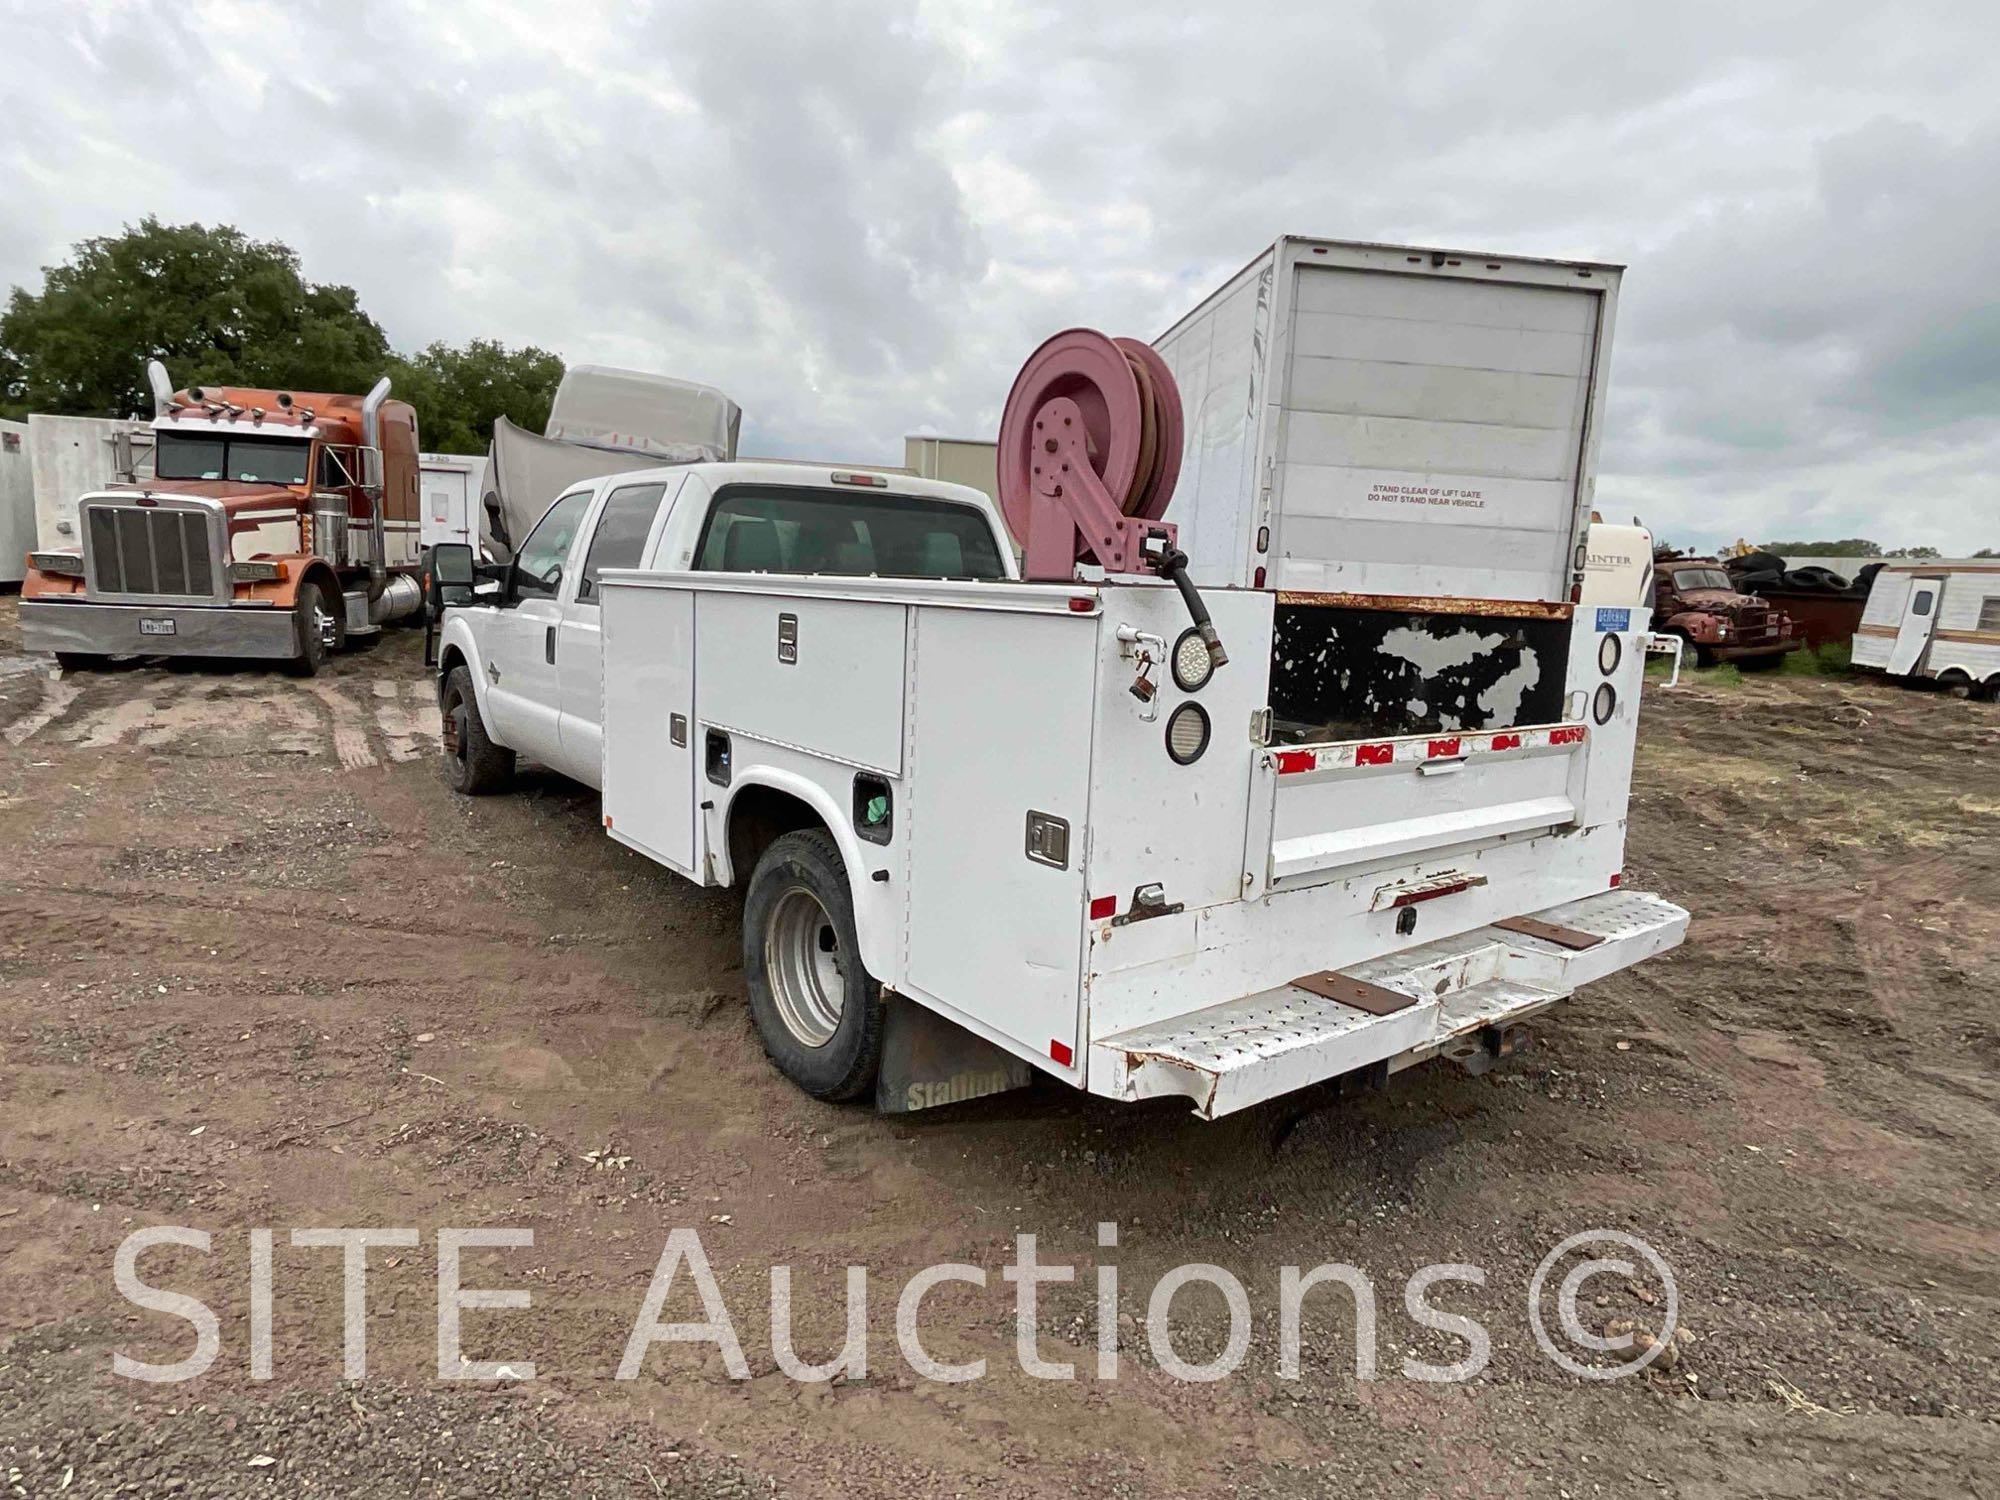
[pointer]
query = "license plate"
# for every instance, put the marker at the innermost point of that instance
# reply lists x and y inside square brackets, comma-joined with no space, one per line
[155,627]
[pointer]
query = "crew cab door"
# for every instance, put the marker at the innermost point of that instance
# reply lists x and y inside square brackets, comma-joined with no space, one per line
[1919,620]
[619,532]
[523,701]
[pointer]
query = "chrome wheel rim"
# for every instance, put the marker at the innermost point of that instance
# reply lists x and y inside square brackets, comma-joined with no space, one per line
[802,960]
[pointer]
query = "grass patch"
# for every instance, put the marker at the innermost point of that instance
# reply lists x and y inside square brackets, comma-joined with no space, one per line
[1830,660]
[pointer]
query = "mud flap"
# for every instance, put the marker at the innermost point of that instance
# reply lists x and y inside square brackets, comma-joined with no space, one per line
[928,1061]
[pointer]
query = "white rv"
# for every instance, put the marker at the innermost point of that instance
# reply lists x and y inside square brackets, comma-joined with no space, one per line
[1937,620]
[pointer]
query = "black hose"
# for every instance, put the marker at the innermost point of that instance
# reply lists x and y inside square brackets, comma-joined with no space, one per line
[1174,566]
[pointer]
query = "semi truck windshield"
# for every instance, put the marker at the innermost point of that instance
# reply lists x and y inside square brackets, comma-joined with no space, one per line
[247,460]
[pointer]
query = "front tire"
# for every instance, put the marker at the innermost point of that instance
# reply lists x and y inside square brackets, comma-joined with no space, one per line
[817,1010]
[475,766]
[314,616]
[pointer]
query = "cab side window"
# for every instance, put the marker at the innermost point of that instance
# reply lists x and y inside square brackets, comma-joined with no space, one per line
[620,538]
[538,565]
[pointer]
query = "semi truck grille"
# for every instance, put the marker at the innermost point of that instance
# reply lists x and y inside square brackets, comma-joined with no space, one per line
[162,552]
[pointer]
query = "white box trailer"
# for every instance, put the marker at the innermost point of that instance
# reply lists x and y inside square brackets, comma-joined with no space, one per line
[1934,619]
[449,488]
[76,456]
[17,502]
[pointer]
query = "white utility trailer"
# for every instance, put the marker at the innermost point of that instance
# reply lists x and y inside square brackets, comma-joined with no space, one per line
[450,486]
[1934,619]
[1385,824]
[17,502]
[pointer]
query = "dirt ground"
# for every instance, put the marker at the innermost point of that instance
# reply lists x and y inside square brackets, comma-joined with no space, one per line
[260,969]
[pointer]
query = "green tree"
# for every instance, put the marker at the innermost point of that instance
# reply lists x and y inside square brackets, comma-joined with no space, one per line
[217,307]
[459,391]
[1852,546]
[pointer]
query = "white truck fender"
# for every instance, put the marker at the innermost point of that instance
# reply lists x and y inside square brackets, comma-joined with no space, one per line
[874,901]
[459,635]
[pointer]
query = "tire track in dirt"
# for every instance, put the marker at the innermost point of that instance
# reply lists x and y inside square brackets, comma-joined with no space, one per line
[58,694]
[350,732]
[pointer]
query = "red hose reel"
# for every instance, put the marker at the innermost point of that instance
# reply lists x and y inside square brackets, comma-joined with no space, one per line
[1090,447]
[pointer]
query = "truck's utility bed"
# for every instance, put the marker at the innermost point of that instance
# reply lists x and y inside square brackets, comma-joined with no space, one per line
[1227,1057]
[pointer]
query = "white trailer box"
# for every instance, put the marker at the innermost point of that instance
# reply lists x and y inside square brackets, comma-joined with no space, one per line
[17,502]
[450,485]
[1934,619]
[1385,421]
[74,456]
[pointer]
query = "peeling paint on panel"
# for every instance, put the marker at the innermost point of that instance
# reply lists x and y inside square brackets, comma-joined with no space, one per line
[1340,672]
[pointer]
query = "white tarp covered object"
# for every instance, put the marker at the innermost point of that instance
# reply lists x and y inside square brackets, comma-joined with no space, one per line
[603,421]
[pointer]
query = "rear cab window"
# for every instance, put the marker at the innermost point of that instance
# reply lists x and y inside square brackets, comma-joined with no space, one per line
[620,538]
[758,528]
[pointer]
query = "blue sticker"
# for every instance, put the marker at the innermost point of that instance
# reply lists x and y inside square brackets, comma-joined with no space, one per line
[1614,619]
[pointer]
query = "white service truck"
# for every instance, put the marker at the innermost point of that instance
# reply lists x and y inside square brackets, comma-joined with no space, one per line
[990,822]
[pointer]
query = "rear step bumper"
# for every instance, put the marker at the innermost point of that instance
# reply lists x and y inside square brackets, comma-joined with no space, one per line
[1242,1052]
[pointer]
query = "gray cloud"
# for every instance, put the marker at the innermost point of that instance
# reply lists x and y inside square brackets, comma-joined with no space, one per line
[858,218]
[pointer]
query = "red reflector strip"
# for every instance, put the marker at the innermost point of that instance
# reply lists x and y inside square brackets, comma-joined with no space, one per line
[1060,1052]
[1374,755]
[1257,579]
[1617,879]
[1411,898]
[1102,907]
[1568,735]
[1444,747]
[1295,760]
[607,820]
[1506,742]
[872,481]
[1078,605]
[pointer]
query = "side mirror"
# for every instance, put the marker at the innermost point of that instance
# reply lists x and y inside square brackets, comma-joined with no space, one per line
[448,577]
[371,468]
[452,565]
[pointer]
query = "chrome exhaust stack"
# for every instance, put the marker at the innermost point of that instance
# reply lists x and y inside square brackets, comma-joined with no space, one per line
[371,437]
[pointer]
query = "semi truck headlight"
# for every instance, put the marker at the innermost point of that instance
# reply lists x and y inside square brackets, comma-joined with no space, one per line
[67,564]
[1610,651]
[1605,703]
[254,572]
[1187,732]
[1192,664]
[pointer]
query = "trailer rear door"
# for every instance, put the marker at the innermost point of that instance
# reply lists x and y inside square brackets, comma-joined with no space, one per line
[1432,433]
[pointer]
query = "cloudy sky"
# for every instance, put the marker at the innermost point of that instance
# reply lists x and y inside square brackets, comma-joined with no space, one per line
[858,216]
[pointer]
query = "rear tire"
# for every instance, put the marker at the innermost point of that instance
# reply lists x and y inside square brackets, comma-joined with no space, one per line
[475,766]
[312,614]
[817,1010]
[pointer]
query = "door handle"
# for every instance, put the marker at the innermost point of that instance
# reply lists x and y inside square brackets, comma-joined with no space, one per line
[549,646]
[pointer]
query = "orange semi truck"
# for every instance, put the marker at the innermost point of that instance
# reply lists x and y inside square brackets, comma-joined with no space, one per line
[277,524]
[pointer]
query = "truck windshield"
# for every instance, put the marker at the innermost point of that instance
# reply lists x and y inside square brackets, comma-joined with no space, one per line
[1701,578]
[245,459]
[773,529]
